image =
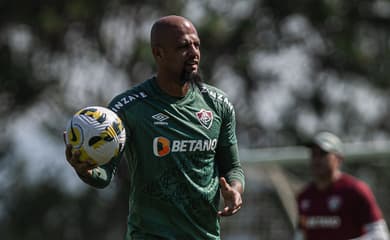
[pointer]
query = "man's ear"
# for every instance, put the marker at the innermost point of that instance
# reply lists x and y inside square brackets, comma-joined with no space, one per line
[157,53]
[340,158]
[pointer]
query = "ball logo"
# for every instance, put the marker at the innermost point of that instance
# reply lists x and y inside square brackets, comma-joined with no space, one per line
[161,146]
[75,136]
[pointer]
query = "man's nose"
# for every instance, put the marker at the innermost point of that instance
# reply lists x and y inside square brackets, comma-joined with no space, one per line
[194,50]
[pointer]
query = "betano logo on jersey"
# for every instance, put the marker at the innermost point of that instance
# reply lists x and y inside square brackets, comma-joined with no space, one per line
[163,146]
[320,222]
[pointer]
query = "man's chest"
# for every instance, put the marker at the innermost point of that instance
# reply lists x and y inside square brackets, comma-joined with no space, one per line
[188,122]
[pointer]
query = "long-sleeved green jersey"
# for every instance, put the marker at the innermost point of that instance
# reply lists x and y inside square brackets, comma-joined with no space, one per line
[176,148]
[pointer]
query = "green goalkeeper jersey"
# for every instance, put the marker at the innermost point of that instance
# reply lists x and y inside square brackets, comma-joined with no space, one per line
[176,148]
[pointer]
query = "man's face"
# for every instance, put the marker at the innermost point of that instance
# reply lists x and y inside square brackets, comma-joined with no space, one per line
[181,54]
[323,164]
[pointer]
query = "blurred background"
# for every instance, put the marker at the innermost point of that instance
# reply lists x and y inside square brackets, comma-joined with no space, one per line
[291,68]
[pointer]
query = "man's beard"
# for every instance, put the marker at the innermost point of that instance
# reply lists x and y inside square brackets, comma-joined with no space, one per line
[191,77]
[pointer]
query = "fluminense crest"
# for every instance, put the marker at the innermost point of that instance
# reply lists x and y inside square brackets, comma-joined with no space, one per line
[205,118]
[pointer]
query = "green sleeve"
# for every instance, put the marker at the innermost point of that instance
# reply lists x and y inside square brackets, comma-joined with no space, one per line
[229,164]
[102,175]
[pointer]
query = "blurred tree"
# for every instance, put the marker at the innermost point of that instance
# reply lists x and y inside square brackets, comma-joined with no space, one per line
[354,48]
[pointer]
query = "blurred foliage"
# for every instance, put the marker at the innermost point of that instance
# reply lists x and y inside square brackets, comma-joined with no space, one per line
[354,47]
[37,36]
[45,212]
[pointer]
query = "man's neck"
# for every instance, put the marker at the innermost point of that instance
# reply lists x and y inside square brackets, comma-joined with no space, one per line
[172,87]
[324,183]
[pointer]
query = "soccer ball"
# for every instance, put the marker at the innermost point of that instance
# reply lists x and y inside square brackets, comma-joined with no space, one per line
[97,132]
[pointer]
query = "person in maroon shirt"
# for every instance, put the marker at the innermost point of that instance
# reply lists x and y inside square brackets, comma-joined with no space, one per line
[336,205]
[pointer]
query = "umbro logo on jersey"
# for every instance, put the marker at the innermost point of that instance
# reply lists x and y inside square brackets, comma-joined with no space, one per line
[160,117]
[205,118]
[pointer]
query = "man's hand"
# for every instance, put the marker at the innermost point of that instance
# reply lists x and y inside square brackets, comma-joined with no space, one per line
[83,168]
[231,196]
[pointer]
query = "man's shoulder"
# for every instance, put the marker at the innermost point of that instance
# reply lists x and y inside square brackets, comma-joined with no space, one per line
[131,96]
[308,190]
[210,89]
[354,184]
[347,180]
[216,95]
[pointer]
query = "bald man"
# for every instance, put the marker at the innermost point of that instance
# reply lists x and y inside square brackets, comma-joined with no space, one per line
[181,146]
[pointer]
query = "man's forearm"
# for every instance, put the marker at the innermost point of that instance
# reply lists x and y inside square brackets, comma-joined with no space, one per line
[96,178]
[237,185]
